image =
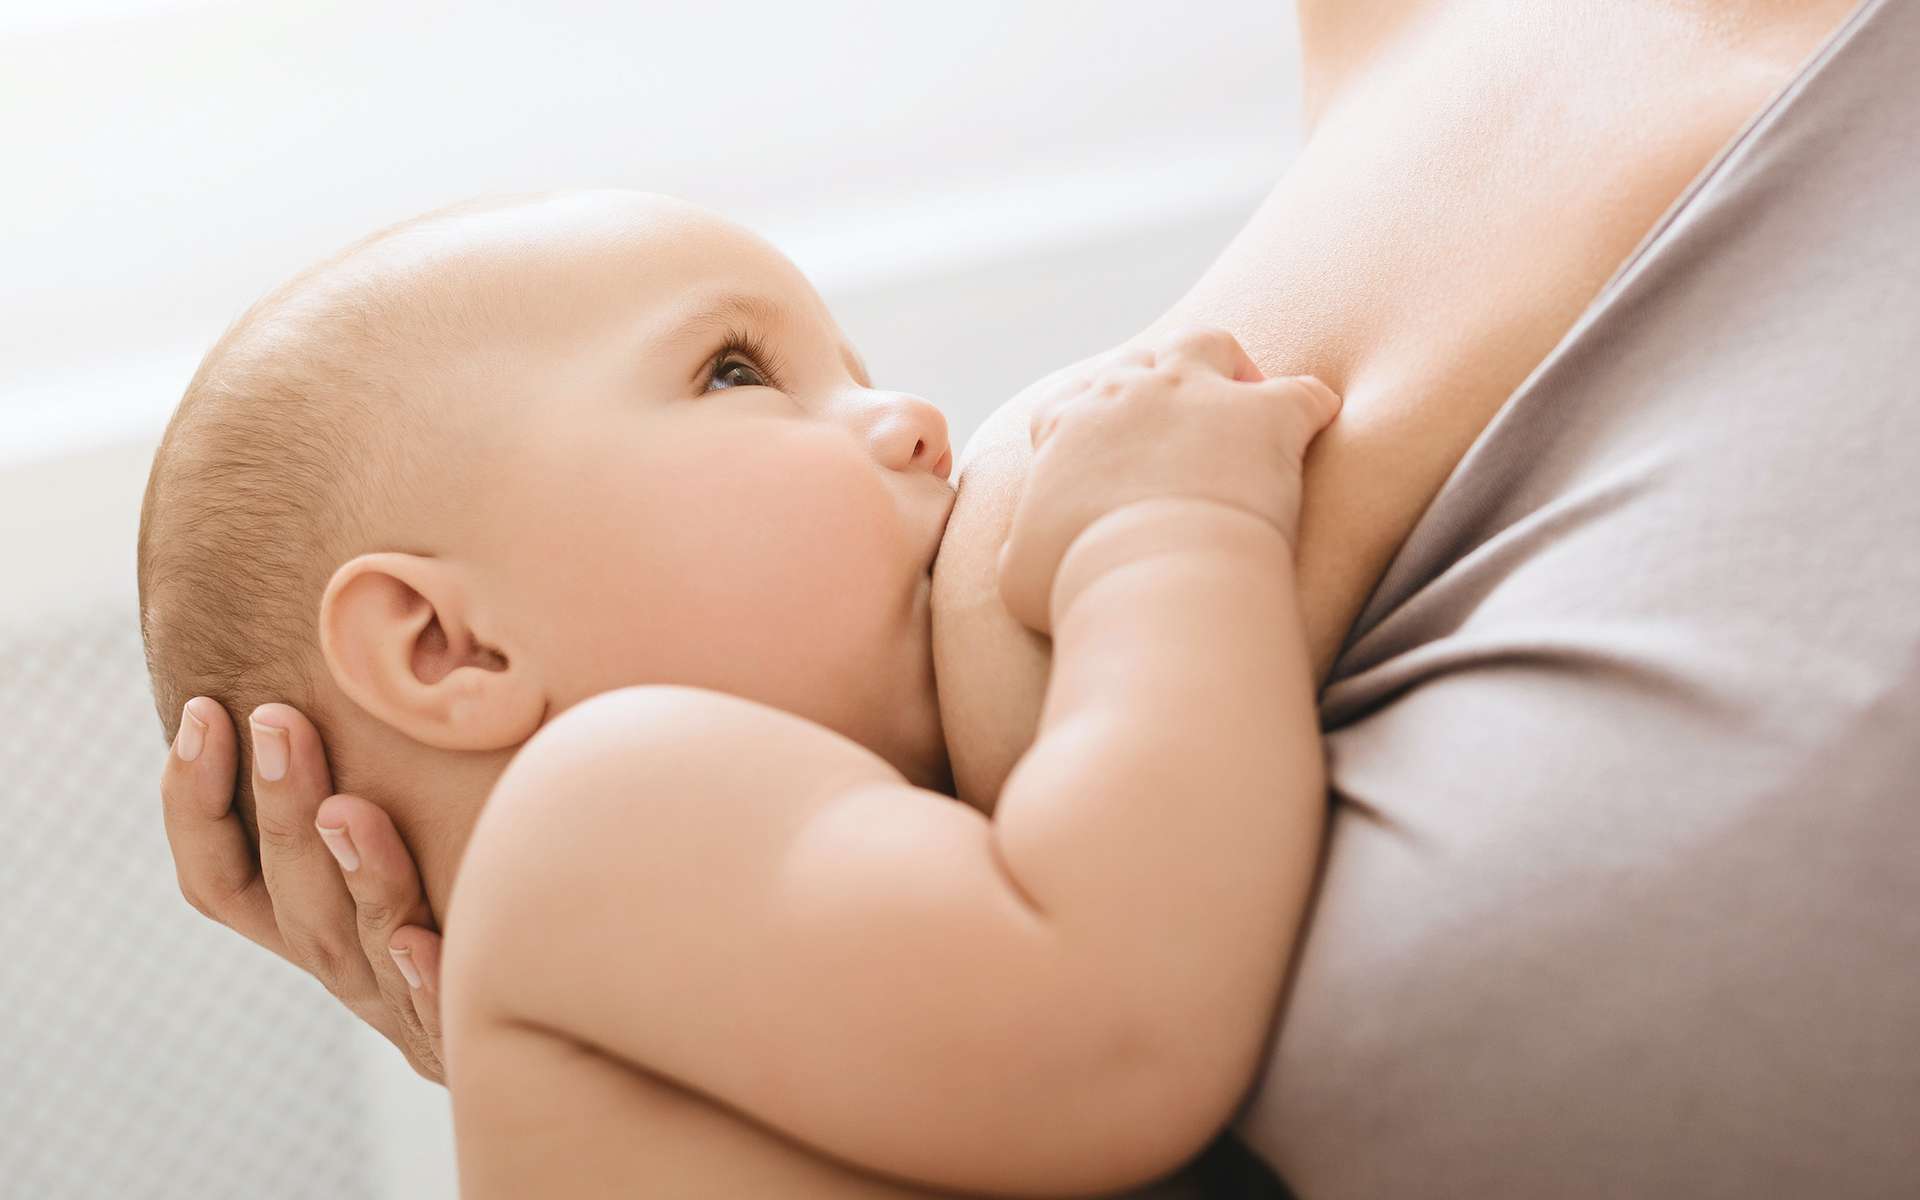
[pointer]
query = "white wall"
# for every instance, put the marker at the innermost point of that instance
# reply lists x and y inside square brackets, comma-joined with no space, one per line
[171,165]
[982,191]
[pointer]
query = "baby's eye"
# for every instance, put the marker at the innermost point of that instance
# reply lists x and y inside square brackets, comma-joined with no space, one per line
[735,372]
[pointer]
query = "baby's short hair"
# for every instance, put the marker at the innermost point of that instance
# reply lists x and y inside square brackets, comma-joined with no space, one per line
[300,422]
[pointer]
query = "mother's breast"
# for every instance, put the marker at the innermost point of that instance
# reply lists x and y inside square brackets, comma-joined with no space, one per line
[1368,477]
[991,670]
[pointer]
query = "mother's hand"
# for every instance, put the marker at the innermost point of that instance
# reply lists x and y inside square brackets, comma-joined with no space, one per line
[359,924]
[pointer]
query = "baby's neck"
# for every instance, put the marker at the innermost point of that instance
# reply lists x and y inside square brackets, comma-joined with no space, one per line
[434,797]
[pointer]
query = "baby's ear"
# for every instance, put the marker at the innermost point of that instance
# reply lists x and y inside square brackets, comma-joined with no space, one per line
[396,635]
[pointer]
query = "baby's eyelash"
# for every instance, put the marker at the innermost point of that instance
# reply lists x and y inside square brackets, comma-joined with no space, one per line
[745,343]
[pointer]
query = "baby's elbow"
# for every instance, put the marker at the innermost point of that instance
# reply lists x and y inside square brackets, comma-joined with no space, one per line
[1184,1095]
[1152,1105]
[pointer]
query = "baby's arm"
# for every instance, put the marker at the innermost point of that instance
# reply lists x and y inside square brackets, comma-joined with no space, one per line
[1068,998]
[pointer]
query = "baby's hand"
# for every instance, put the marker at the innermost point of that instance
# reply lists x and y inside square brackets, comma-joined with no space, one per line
[1187,416]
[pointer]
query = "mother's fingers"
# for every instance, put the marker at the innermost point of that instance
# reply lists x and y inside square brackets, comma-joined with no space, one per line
[211,854]
[388,896]
[421,948]
[310,901]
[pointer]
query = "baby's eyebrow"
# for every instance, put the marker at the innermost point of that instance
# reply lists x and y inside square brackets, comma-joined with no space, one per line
[730,310]
[756,311]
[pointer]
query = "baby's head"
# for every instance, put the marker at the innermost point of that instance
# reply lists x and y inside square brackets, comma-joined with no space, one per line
[498,459]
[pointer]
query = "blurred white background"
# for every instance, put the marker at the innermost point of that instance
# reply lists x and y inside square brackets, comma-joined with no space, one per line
[982,191]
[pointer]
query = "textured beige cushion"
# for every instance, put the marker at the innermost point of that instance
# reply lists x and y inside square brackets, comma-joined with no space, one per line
[1623,894]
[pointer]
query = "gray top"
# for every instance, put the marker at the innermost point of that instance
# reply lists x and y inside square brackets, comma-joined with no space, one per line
[1623,889]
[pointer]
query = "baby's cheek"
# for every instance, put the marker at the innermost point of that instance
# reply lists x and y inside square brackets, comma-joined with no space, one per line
[772,566]
[833,488]
[849,569]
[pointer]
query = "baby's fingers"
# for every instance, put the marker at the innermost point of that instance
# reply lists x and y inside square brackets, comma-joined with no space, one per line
[388,897]
[1214,348]
[1316,400]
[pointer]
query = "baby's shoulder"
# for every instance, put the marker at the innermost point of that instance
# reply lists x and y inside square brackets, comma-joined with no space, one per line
[630,802]
[685,737]
[616,776]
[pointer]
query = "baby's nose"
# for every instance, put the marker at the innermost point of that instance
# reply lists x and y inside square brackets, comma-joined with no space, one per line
[907,433]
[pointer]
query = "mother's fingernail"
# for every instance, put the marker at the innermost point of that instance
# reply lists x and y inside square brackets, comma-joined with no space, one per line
[270,750]
[192,735]
[341,843]
[404,960]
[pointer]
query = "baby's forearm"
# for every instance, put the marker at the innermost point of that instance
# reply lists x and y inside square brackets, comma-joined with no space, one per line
[1167,820]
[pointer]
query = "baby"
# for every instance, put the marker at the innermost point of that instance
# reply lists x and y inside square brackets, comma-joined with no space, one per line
[582,510]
